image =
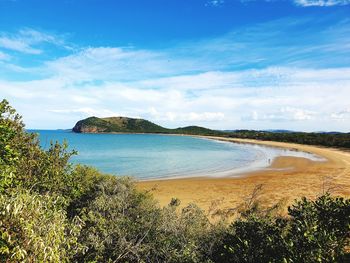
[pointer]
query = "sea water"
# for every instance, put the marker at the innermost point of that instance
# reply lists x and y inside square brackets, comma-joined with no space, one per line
[152,156]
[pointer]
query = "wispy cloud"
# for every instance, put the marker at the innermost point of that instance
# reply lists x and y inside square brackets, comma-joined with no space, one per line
[259,46]
[343,115]
[17,45]
[86,111]
[283,114]
[108,63]
[325,3]
[27,40]
[307,3]
[215,3]
[275,42]
[4,56]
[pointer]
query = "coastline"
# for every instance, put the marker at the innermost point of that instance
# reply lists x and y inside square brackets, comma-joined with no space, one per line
[286,179]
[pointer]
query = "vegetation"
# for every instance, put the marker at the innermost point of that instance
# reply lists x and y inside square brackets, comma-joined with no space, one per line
[117,124]
[51,211]
[124,124]
[314,231]
[338,140]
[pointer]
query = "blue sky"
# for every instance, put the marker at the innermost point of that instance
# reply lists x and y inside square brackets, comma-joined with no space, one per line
[223,64]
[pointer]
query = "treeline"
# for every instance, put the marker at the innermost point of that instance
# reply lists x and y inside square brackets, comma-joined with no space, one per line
[52,211]
[338,140]
[197,130]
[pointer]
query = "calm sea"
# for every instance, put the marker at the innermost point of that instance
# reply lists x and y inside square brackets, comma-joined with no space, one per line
[149,156]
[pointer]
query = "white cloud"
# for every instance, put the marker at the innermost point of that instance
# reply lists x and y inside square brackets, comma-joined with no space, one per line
[4,56]
[26,40]
[215,3]
[87,112]
[307,3]
[34,36]
[298,114]
[109,63]
[343,115]
[18,45]
[186,117]
[283,114]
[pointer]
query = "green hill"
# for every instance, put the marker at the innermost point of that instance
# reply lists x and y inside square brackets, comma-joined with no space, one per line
[132,125]
[117,124]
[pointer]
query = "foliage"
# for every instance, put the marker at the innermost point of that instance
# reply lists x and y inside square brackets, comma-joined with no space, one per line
[256,235]
[315,231]
[117,220]
[11,131]
[124,124]
[196,130]
[254,239]
[24,163]
[319,230]
[339,140]
[117,124]
[34,229]
[124,225]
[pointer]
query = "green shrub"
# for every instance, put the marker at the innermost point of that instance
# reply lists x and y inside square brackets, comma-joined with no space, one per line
[117,219]
[254,240]
[315,231]
[319,230]
[24,163]
[125,225]
[34,229]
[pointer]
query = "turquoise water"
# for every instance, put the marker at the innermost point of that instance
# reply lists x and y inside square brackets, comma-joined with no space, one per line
[149,156]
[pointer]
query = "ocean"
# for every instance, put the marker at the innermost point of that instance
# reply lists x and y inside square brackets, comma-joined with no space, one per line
[152,156]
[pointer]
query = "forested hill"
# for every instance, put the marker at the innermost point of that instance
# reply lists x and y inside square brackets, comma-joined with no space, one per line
[131,125]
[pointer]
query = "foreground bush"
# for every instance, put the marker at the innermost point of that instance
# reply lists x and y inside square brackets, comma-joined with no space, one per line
[34,229]
[313,231]
[319,230]
[52,211]
[125,225]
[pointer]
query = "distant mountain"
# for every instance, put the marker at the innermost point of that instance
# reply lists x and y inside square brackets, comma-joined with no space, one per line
[132,125]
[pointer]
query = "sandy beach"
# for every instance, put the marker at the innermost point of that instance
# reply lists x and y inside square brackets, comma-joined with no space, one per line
[287,178]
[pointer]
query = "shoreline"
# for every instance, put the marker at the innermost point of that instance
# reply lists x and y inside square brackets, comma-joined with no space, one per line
[256,166]
[286,178]
[269,153]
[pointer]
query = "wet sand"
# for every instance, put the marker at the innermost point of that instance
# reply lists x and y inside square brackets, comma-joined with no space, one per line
[287,178]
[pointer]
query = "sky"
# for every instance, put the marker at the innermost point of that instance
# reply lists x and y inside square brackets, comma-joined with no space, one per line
[222,64]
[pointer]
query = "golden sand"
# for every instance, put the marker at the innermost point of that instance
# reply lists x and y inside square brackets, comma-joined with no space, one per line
[295,177]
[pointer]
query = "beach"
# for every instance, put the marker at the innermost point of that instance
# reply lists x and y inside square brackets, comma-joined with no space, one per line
[286,179]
